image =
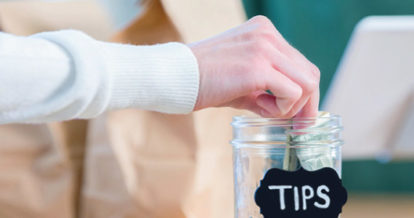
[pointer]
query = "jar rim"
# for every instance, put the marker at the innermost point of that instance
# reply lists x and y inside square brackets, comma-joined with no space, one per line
[257,120]
[326,127]
[253,144]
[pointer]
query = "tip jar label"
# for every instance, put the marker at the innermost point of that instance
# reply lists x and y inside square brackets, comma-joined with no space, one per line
[301,193]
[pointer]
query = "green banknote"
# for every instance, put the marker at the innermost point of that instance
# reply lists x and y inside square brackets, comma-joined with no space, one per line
[312,152]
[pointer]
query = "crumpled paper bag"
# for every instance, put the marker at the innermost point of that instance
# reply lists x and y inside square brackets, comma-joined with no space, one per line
[148,164]
[41,165]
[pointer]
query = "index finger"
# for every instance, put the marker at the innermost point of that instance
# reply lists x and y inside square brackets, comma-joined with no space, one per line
[311,107]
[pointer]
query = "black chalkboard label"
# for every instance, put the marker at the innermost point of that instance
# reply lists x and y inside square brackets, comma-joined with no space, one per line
[301,193]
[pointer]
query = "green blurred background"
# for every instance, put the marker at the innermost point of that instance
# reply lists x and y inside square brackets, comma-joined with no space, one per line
[321,29]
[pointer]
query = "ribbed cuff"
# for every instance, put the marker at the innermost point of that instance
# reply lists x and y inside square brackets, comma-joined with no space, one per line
[163,78]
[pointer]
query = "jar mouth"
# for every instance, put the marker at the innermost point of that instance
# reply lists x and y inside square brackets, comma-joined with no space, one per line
[261,121]
[326,128]
[284,145]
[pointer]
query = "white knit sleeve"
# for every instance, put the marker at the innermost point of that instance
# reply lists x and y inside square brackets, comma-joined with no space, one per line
[65,75]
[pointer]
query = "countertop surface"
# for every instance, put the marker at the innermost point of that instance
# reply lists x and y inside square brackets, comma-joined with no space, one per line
[379,206]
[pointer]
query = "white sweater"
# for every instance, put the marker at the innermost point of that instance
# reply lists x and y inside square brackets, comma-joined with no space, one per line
[65,75]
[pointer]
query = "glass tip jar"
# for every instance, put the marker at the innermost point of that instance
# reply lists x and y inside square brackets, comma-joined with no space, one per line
[260,144]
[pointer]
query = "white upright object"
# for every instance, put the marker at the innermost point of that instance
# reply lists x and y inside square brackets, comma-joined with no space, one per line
[373,86]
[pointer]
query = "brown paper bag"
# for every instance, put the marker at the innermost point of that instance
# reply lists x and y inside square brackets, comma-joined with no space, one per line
[41,165]
[36,178]
[139,164]
[147,164]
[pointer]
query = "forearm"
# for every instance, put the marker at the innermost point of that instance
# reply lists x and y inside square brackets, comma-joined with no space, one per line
[67,75]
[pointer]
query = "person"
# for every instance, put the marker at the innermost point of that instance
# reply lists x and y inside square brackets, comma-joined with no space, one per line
[64,75]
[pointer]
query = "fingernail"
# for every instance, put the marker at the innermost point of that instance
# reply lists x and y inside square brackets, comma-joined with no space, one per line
[281,104]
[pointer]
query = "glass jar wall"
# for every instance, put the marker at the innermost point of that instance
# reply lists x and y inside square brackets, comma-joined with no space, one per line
[260,144]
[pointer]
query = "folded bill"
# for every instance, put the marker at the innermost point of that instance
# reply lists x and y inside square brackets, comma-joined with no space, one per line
[303,148]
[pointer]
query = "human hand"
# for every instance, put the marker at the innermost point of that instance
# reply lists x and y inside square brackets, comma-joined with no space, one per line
[237,66]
